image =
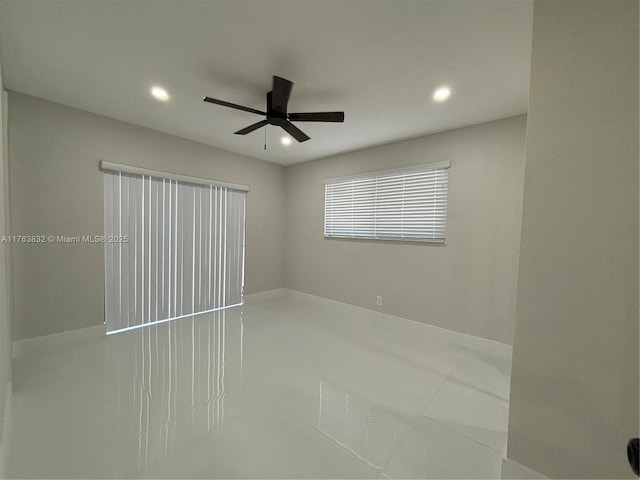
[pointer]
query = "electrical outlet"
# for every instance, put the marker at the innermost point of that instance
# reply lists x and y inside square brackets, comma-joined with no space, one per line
[379,301]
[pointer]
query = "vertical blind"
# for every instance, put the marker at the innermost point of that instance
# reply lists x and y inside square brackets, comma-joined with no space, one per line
[172,248]
[401,204]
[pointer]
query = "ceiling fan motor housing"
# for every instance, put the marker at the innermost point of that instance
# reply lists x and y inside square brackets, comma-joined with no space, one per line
[275,116]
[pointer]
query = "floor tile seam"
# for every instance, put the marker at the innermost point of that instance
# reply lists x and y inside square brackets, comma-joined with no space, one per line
[449,427]
[345,448]
[411,428]
[458,381]
[424,414]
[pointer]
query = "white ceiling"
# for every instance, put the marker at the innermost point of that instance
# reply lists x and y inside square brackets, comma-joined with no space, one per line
[378,60]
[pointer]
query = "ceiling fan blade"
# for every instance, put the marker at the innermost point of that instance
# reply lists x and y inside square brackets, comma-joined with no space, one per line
[251,128]
[317,117]
[280,94]
[232,105]
[295,132]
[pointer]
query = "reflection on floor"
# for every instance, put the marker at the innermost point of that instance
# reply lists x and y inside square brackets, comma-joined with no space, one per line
[285,387]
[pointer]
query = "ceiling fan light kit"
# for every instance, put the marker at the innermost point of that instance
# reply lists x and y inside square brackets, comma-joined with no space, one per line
[277,113]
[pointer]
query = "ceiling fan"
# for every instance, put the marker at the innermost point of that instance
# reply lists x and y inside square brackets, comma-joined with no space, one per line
[277,114]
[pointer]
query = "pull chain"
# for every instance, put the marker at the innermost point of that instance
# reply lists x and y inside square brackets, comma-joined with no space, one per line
[265,137]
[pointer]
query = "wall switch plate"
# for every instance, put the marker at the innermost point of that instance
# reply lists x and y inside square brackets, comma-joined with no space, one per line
[379,301]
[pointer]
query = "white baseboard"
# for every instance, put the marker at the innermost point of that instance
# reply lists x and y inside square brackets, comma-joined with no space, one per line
[260,296]
[326,301]
[514,470]
[21,347]
[452,334]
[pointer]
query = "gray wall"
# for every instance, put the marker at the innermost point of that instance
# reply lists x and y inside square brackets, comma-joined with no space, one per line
[56,189]
[5,312]
[574,388]
[468,285]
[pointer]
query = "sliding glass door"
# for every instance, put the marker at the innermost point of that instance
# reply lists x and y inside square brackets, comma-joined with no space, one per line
[172,248]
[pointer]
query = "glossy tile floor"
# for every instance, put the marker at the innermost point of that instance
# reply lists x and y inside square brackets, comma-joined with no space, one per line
[285,387]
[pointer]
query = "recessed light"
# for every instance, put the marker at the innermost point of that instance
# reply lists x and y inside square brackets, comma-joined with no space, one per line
[441,94]
[285,140]
[160,93]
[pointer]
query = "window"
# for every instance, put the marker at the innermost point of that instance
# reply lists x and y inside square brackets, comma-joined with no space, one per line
[174,246]
[402,204]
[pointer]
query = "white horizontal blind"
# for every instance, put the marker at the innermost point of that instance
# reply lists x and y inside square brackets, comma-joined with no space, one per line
[172,249]
[404,204]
